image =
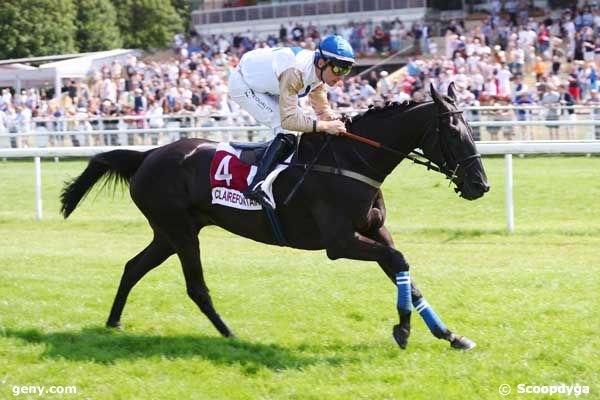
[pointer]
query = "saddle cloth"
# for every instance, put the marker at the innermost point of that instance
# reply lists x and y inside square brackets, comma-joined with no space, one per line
[230,176]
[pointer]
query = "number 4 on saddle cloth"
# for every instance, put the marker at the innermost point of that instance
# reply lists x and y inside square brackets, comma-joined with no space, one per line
[232,170]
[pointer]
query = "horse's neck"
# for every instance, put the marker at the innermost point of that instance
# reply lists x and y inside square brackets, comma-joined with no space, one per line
[401,131]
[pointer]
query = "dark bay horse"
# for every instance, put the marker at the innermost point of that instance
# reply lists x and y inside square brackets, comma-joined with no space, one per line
[338,207]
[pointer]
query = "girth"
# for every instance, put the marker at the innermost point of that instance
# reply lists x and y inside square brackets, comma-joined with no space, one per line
[347,173]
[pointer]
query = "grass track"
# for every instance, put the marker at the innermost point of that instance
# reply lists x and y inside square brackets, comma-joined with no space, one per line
[309,328]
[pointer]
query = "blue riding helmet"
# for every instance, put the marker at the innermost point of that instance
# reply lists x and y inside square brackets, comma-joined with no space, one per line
[337,51]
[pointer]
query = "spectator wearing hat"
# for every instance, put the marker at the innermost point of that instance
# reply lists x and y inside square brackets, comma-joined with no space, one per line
[383,85]
[155,118]
[466,98]
[83,123]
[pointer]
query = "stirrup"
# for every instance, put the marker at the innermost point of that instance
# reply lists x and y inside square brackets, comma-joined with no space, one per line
[260,197]
[251,192]
[256,193]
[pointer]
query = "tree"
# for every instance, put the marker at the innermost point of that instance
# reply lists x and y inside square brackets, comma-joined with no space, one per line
[31,28]
[96,28]
[184,10]
[147,23]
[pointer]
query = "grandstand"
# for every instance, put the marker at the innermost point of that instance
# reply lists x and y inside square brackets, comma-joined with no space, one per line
[267,18]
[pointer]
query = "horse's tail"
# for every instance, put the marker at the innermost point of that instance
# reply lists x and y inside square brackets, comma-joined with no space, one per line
[117,166]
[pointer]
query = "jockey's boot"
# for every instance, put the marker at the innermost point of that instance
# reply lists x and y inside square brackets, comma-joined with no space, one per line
[278,150]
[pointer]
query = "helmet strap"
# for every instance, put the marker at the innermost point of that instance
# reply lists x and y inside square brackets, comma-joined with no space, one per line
[324,67]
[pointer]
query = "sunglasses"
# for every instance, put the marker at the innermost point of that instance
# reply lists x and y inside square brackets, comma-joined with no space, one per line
[339,70]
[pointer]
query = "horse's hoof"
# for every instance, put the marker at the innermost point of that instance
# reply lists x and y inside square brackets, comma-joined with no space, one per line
[114,325]
[462,343]
[401,336]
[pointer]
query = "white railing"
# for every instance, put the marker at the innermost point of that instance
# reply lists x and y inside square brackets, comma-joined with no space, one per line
[131,130]
[486,148]
[509,148]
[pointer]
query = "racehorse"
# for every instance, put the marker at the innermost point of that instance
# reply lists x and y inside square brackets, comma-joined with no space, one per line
[338,205]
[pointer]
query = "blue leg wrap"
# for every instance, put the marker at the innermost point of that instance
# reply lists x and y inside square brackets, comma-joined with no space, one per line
[434,323]
[404,296]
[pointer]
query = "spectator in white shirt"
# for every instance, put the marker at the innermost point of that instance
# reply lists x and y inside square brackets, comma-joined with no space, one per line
[504,76]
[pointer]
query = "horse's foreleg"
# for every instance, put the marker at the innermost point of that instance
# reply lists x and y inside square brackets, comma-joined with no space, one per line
[432,320]
[135,269]
[356,246]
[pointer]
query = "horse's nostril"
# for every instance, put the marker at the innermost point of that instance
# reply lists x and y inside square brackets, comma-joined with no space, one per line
[482,187]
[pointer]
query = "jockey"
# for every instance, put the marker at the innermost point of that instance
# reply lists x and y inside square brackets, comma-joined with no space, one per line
[268,83]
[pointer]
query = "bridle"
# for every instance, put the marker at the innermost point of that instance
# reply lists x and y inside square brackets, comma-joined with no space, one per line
[441,167]
[463,163]
[430,164]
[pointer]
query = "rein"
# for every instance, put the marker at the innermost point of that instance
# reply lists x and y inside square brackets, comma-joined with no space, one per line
[429,164]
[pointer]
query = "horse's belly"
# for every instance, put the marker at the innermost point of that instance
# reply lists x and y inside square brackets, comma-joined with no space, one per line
[298,231]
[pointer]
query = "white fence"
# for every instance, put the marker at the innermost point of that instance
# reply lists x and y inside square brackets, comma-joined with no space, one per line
[524,122]
[534,147]
[486,148]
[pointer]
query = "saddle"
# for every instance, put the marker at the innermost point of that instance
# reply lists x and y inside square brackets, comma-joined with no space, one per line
[252,152]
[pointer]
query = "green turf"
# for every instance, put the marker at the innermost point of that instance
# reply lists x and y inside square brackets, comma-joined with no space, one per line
[308,327]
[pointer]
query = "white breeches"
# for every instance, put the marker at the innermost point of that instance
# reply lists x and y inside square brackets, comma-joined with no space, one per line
[263,107]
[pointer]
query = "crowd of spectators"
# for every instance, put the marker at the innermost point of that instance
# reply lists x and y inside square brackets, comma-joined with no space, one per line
[510,58]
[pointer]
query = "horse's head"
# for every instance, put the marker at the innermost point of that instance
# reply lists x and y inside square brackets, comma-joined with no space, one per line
[450,145]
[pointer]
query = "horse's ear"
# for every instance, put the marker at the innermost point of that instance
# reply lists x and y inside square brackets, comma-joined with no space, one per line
[451,92]
[436,96]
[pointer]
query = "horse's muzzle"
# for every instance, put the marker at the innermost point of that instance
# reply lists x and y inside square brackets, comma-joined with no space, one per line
[473,191]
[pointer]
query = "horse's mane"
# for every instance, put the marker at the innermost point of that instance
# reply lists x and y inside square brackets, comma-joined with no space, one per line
[390,106]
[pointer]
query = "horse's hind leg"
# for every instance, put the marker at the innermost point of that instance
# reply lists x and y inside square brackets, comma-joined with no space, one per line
[432,320]
[188,250]
[152,256]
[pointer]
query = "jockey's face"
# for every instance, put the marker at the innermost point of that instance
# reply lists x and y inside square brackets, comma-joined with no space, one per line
[328,75]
